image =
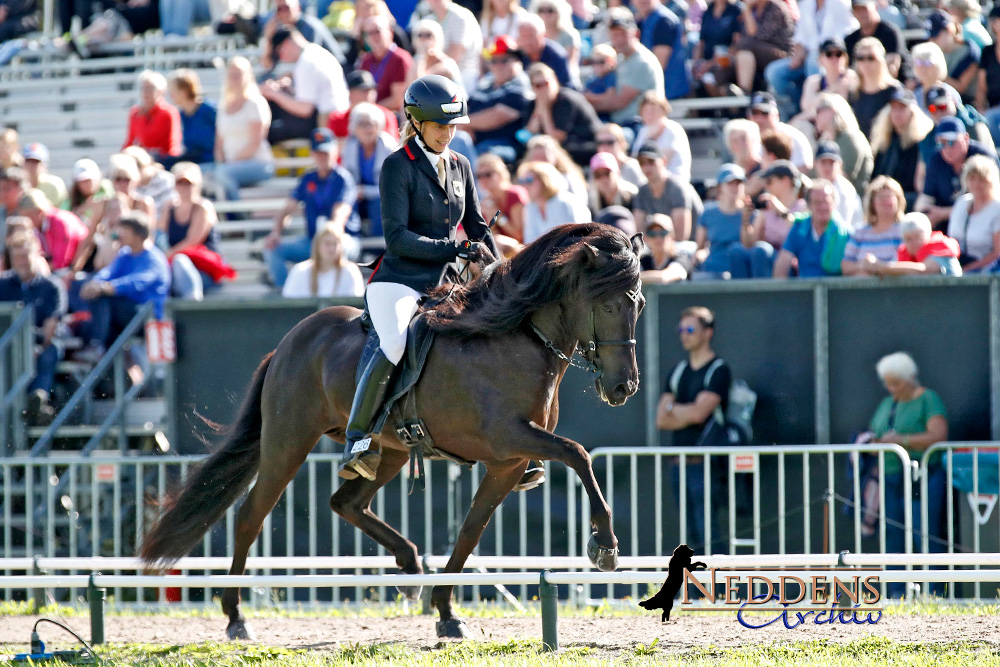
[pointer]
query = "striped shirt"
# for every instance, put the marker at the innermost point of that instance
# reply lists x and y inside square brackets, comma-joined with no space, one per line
[882,245]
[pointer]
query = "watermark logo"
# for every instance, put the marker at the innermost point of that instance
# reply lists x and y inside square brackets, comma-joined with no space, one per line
[838,595]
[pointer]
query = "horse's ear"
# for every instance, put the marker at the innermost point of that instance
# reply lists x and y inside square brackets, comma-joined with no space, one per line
[637,243]
[589,253]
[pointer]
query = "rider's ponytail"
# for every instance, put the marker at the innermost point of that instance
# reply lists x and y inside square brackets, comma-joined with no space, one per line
[407,133]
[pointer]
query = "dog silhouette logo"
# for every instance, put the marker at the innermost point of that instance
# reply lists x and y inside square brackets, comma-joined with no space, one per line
[664,599]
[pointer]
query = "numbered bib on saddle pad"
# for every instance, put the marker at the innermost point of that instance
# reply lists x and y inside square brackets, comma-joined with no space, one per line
[361,445]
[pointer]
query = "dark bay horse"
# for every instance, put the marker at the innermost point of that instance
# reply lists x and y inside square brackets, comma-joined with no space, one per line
[489,392]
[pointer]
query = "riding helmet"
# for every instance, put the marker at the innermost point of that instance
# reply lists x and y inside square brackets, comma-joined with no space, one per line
[436,98]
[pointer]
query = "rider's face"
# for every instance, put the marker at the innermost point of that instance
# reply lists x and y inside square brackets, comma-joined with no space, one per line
[437,136]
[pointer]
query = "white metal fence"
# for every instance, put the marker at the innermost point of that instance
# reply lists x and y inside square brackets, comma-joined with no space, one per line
[774,500]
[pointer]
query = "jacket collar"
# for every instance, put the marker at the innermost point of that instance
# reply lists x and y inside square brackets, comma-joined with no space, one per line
[416,154]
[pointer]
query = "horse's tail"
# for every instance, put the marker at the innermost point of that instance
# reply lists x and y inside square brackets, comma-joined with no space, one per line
[212,487]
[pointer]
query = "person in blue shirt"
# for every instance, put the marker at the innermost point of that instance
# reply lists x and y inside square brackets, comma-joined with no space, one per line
[537,48]
[943,181]
[329,192]
[138,274]
[197,119]
[498,112]
[29,282]
[817,240]
[662,32]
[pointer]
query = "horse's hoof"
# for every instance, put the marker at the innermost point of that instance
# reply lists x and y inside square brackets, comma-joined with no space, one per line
[604,559]
[240,630]
[453,628]
[411,593]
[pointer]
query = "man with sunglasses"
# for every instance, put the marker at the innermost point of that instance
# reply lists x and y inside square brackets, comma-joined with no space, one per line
[664,260]
[943,182]
[694,402]
[497,112]
[764,111]
[943,101]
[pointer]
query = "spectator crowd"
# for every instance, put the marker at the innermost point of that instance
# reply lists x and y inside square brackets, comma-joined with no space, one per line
[846,152]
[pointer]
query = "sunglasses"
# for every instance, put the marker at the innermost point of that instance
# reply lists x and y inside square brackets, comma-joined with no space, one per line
[122,179]
[925,62]
[658,234]
[538,85]
[946,143]
[483,175]
[937,108]
[602,173]
[686,330]
[424,35]
[501,61]
[833,54]
[526,180]
[867,58]
[607,142]
[546,10]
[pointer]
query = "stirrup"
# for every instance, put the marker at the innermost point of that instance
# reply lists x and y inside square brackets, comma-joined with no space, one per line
[361,460]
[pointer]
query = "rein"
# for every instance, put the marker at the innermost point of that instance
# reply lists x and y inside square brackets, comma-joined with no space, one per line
[589,351]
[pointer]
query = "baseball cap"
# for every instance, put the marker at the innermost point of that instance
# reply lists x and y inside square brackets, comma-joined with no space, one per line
[281,33]
[36,151]
[660,220]
[995,11]
[763,102]
[938,95]
[782,169]
[831,44]
[86,170]
[322,139]
[731,172]
[361,79]
[904,95]
[604,161]
[862,3]
[650,150]
[618,217]
[828,149]
[936,22]
[500,46]
[621,17]
[950,127]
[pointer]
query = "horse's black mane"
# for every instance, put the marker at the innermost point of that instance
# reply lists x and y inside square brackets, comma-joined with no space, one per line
[559,263]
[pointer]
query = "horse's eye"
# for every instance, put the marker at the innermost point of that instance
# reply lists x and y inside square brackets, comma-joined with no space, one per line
[607,307]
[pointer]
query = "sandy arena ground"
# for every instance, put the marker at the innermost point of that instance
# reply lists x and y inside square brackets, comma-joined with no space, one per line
[608,636]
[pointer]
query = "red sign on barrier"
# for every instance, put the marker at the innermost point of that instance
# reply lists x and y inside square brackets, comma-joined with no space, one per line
[105,472]
[161,342]
[745,463]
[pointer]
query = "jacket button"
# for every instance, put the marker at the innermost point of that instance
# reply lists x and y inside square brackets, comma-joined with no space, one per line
[447,220]
[445,202]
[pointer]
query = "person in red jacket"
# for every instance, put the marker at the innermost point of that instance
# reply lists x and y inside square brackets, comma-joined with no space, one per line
[922,251]
[154,124]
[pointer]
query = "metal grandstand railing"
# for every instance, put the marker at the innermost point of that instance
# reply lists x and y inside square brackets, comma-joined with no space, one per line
[115,356]
[17,368]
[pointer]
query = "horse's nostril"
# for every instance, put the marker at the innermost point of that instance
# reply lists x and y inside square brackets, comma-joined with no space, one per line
[621,391]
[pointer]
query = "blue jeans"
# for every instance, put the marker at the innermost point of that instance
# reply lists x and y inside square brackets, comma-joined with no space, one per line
[786,83]
[109,315]
[993,122]
[755,262]
[176,16]
[937,522]
[696,503]
[185,280]
[45,368]
[288,251]
[232,176]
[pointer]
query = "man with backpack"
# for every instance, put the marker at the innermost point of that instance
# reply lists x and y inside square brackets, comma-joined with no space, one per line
[693,406]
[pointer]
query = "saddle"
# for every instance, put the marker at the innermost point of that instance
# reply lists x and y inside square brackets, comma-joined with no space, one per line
[400,407]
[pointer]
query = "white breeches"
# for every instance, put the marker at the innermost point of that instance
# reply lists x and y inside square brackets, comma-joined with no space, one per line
[392,306]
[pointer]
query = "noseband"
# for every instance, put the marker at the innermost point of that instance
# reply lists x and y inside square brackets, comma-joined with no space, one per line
[589,349]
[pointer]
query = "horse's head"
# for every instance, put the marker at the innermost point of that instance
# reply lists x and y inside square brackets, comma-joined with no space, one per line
[604,311]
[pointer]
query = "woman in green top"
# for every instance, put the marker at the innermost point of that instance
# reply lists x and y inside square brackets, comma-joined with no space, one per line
[914,417]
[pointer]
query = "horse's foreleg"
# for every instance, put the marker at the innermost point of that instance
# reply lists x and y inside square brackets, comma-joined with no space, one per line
[352,501]
[496,485]
[536,443]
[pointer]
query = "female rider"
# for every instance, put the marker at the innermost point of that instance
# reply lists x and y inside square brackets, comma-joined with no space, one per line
[426,192]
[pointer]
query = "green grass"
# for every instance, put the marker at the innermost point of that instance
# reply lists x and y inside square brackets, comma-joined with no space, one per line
[872,651]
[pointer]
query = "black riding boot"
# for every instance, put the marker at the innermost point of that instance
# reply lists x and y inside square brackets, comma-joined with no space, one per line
[362,454]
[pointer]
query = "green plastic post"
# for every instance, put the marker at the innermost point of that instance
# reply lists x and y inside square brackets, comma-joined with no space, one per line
[550,613]
[96,598]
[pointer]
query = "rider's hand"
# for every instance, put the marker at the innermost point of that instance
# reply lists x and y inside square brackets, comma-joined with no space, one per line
[472,251]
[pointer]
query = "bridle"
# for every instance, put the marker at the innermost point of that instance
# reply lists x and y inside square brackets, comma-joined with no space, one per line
[589,350]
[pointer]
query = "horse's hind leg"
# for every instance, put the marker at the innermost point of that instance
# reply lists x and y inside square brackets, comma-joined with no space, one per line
[496,485]
[276,471]
[534,442]
[352,501]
